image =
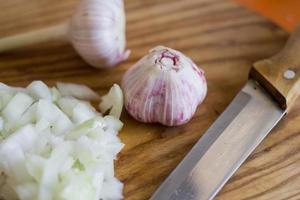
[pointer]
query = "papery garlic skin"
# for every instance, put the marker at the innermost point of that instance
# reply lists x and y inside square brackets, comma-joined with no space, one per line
[164,86]
[97,32]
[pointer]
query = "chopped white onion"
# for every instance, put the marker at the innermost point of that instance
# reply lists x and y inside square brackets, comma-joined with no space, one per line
[113,187]
[86,127]
[1,124]
[27,191]
[67,104]
[113,101]
[113,122]
[18,143]
[77,91]
[83,112]
[12,89]
[55,94]
[5,97]
[39,90]
[4,87]
[17,105]
[59,121]
[54,146]
[28,117]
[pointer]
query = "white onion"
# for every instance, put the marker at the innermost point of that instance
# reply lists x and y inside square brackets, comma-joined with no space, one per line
[83,112]
[5,97]
[39,90]
[54,146]
[113,122]
[86,127]
[113,101]
[17,105]
[1,123]
[58,120]
[77,91]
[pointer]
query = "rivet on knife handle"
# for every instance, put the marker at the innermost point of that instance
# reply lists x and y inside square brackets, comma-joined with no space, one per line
[280,74]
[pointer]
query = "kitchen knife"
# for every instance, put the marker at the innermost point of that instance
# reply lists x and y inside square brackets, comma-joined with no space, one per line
[268,95]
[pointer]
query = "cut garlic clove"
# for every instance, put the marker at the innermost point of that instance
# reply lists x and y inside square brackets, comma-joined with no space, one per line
[164,86]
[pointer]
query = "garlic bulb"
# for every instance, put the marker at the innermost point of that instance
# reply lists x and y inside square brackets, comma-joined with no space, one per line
[97,32]
[164,86]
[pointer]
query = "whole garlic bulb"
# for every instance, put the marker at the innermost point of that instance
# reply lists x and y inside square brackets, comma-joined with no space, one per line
[164,86]
[97,32]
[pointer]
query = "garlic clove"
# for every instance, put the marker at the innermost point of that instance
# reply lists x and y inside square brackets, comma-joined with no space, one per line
[97,32]
[164,86]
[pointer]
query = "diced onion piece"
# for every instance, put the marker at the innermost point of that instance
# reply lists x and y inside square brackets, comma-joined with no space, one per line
[83,112]
[1,124]
[68,165]
[113,122]
[5,97]
[55,94]
[42,125]
[86,127]
[67,104]
[60,122]
[27,191]
[78,111]
[12,89]
[79,185]
[112,189]
[19,143]
[51,170]
[17,106]
[4,87]
[29,116]
[78,91]
[35,165]
[112,101]
[61,125]
[39,90]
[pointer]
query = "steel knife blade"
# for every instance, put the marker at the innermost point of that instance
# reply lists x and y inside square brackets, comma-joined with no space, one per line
[258,107]
[224,147]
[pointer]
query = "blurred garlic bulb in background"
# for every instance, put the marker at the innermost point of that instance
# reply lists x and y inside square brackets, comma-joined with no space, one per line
[97,32]
[164,86]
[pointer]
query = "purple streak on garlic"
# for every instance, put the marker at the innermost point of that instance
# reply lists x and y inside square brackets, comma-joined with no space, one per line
[164,86]
[97,32]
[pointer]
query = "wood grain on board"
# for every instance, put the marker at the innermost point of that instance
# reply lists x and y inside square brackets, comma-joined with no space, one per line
[220,36]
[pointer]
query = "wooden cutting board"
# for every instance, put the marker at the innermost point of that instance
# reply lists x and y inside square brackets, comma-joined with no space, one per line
[220,36]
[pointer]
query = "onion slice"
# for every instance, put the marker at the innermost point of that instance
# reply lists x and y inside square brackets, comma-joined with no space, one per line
[113,101]
[78,91]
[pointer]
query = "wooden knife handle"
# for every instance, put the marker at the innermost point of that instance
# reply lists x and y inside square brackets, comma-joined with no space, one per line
[280,74]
